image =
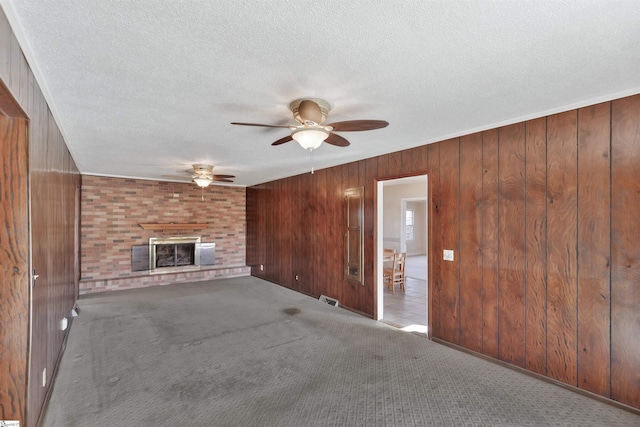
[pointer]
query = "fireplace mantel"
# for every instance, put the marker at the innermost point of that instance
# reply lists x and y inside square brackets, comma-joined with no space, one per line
[175,226]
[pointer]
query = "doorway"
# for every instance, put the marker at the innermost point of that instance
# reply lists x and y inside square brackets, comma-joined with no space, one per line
[402,218]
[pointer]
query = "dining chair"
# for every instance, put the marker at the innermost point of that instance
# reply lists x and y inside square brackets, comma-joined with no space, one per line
[395,275]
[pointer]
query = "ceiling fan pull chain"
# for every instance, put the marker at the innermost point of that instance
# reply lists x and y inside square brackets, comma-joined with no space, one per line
[202,193]
[311,159]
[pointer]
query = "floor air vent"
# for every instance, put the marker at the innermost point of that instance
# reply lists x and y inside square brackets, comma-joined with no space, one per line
[330,301]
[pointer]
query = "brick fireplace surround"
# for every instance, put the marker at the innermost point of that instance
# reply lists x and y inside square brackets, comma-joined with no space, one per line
[113,208]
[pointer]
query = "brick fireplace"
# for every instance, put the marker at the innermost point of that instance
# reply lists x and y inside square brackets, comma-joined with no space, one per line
[114,208]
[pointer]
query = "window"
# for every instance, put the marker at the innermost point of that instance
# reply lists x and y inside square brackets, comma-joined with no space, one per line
[408,224]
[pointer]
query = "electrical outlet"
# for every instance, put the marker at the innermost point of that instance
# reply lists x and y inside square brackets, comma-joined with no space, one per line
[296,277]
[447,255]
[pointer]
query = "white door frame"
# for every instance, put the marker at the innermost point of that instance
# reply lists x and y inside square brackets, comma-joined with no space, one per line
[379,244]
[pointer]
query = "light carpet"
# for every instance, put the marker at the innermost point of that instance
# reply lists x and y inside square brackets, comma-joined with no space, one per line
[245,352]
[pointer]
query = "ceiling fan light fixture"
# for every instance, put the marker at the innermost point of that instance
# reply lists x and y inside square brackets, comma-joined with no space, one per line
[310,139]
[202,181]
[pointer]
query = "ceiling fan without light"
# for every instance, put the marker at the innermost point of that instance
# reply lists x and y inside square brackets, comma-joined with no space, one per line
[311,113]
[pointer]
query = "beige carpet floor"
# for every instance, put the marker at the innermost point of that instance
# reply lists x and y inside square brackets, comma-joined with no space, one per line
[245,352]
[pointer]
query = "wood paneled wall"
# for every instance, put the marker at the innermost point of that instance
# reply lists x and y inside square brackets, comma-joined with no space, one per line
[544,219]
[40,198]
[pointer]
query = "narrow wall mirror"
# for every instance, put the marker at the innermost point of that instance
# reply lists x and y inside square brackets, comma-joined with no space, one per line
[354,234]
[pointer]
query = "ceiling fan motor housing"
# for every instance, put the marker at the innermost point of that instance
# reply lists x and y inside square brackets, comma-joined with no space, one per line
[200,169]
[310,111]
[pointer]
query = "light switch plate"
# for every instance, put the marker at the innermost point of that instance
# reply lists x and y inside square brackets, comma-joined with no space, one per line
[447,255]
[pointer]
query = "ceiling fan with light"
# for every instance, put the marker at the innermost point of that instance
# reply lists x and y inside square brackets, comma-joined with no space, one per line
[203,175]
[311,113]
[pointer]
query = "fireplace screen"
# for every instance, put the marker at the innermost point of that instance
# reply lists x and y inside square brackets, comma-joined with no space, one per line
[172,252]
[175,255]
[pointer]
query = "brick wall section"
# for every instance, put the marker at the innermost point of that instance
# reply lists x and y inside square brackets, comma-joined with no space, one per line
[113,208]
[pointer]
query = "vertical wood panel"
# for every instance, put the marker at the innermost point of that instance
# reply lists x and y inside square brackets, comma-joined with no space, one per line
[405,163]
[561,252]
[490,222]
[536,245]
[265,213]
[272,255]
[625,254]
[261,238]
[471,242]
[14,66]
[419,159]
[307,222]
[511,323]
[594,248]
[5,47]
[414,159]
[14,268]
[253,230]
[335,232]
[286,243]
[435,248]
[22,95]
[383,165]
[371,168]
[450,283]
[395,163]
[320,248]
[270,247]
[354,175]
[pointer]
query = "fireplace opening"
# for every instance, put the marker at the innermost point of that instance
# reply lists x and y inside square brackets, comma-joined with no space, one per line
[175,255]
[174,252]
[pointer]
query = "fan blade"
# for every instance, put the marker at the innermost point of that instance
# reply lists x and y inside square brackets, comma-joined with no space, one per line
[283,140]
[258,124]
[358,125]
[223,176]
[337,140]
[221,179]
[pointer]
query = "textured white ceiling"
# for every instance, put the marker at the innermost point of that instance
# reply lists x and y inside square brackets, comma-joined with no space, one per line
[145,88]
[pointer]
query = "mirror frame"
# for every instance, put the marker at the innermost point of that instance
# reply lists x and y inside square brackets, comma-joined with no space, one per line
[354,232]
